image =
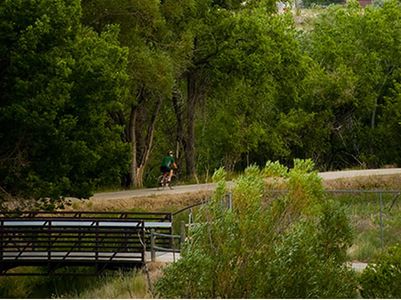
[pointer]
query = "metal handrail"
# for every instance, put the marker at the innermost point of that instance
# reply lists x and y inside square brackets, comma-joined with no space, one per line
[87,243]
[162,216]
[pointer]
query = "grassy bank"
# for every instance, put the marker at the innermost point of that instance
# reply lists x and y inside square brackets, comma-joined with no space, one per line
[109,285]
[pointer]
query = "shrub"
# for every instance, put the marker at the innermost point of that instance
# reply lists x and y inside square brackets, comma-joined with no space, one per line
[382,277]
[293,248]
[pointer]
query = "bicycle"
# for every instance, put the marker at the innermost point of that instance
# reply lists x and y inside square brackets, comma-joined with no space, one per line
[163,182]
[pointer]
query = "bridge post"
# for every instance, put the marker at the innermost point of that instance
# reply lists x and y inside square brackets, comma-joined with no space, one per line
[152,245]
[1,240]
[143,241]
[49,241]
[97,243]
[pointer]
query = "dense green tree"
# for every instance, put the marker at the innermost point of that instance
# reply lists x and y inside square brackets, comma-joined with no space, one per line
[223,82]
[358,51]
[150,69]
[252,112]
[59,82]
[194,36]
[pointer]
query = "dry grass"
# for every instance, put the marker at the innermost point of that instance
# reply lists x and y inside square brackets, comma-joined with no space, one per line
[16,203]
[155,271]
[132,285]
[150,203]
[304,18]
[385,182]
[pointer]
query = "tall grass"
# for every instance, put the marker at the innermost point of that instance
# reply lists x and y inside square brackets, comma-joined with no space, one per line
[375,228]
[117,285]
[111,284]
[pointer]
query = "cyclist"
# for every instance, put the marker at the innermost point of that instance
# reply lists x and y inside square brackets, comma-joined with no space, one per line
[168,162]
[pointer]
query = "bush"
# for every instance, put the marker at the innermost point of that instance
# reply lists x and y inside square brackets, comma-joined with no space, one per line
[382,277]
[293,248]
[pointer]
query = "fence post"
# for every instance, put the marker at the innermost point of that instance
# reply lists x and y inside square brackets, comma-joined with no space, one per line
[381,219]
[152,245]
[182,232]
[229,201]
[173,240]
[190,216]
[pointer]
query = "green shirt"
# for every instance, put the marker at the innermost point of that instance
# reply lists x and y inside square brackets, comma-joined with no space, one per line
[167,161]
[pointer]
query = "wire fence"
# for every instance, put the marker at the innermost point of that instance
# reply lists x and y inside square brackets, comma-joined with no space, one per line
[375,216]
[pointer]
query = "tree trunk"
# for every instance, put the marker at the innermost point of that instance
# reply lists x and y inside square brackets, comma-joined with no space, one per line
[132,139]
[178,109]
[189,144]
[148,144]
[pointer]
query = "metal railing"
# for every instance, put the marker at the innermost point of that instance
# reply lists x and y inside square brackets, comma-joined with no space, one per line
[149,216]
[58,239]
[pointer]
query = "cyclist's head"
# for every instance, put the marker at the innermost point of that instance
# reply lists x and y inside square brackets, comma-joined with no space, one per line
[170,153]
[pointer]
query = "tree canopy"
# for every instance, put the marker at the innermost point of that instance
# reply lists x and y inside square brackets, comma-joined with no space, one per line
[59,82]
[95,92]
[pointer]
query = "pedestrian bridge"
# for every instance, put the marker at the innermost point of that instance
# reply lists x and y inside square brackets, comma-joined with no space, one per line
[104,240]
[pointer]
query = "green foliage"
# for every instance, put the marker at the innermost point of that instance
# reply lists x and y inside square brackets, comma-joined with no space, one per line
[357,49]
[59,82]
[300,269]
[24,287]
[372,230]
[110,284]
[293,248]
[255,76]
[257,95]
[382,277]
[305,183]
[275,169]
[226,83]
[312,3]
[219,177]
[335,231]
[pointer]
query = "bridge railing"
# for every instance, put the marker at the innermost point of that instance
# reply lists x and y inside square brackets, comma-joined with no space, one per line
[149,216]
[174,246]
[78,238]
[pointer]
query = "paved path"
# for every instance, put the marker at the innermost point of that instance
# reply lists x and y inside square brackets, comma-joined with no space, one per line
[180,189]
[358,173]
[163,256]
[210,186]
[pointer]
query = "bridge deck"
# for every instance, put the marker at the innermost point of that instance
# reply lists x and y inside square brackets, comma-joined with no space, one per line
[90,256]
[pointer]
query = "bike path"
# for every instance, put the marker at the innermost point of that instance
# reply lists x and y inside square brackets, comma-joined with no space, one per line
[192,188]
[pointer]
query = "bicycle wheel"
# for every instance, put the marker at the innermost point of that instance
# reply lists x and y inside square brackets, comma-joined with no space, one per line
[172,182]
[161,181]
